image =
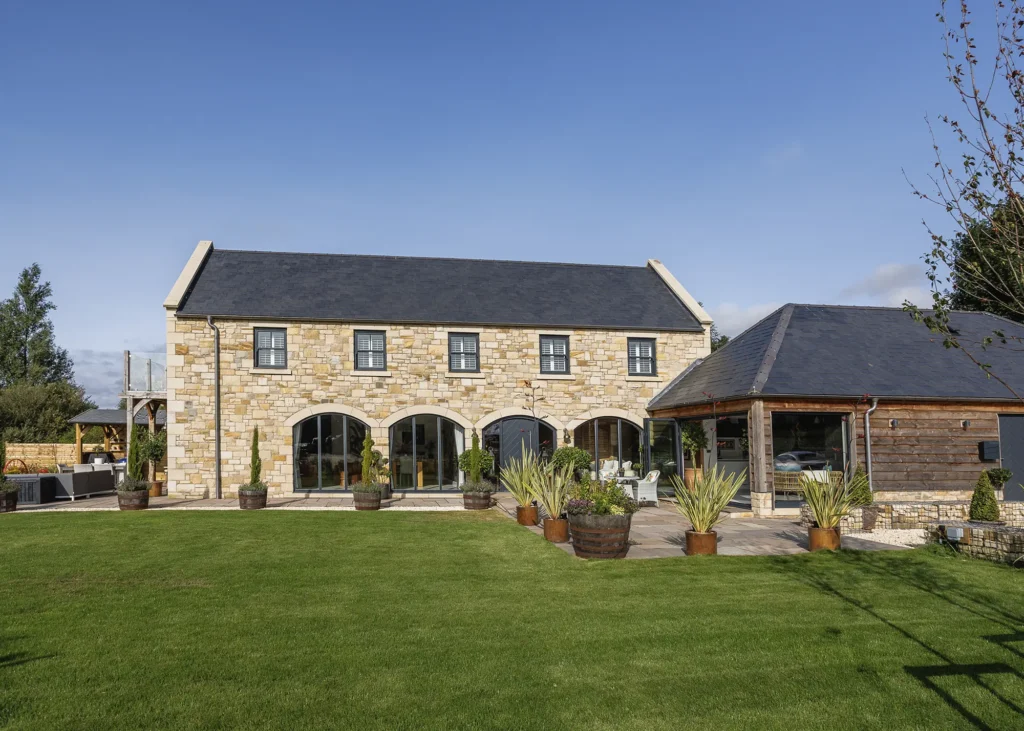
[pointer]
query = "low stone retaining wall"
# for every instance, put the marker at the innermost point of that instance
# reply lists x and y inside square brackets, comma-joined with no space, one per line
[1001,543]
[917,516]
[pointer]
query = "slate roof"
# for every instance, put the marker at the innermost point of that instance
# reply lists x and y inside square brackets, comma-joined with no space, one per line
[395,289]
[113,417]
[836,351]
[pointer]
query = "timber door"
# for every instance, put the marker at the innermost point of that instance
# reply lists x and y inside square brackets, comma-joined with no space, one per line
[517,437]
[1011,451]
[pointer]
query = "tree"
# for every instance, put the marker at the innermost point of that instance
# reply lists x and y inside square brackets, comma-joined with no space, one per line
[40,413]
[135,461]
[717,339]
[984,505]
[255,463]
[28,353]
[368,471]
[981,265]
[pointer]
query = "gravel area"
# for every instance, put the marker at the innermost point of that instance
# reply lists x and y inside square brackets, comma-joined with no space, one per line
[909,538]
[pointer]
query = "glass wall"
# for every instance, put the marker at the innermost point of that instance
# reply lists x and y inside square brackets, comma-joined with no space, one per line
[425,453]
[808,441]
[327,452]
[611,438]
[663,450]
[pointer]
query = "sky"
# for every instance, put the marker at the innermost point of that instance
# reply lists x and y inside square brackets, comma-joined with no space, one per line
[758,149]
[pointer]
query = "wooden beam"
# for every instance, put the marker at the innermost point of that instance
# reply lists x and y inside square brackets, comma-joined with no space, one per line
[758,448]
[78,444]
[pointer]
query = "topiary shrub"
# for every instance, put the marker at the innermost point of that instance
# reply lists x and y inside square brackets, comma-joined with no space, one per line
[475,462]
[999,477]
[860,489]
[574,458]
[983,502]
[135,460]
[256,483]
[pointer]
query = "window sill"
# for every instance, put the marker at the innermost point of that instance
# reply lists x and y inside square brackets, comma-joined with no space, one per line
[555,377]
[371,374]
[643,378]
[455,375]
[270,371]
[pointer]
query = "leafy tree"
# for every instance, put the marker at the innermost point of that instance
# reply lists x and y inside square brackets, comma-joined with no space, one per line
[476,461]
[984,505]
[717,339]
[981,265]
[28,353]
[695,440]
[40,413]
[255,463]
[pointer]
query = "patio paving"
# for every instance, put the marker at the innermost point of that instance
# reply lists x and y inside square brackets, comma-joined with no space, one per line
[434,503]
[661,533]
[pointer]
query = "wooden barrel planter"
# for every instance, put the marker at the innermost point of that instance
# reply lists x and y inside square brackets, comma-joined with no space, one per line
[823,539]
[252,499]
[600,536]
[366,500]
[134,500]
[556,530]
[8,501]
[527,515]
[476,500]
[701,544]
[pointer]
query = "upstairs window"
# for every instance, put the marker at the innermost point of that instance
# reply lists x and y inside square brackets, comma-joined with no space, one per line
[641,357]
[370,353]
[464,352]
[554,353]
[270,349]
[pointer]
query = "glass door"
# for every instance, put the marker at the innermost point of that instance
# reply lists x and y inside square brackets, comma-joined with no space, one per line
[661,447]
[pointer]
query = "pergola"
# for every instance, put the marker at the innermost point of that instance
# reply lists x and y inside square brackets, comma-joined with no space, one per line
[112,422]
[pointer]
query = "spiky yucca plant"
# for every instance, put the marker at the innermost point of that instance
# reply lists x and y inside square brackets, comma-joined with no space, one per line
[829,501]
[519,476]
[712,491]
[552,488]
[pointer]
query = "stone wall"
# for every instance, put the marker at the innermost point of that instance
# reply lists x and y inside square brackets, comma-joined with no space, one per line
[916,516]
[320,378]
[1003,544]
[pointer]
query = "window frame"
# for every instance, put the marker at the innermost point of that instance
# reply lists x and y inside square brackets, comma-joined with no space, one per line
[356,351]
[653,359]
[256,346]
[476,339]
[568,367]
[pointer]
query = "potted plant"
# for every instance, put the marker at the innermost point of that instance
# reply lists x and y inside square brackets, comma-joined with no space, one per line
[152,450]
[518,476]
[829,502]
[576,459]
[862,497]
[476,493]
[133,492]
[984,506]
[999,476]
[253,495]
[703,504]
[695,441]
[366,494]
[599,518]
[551,489]
[8,489]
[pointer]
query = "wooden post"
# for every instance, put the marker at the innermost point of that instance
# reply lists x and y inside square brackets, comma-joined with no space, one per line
[78,444]
[151,413]
[106,438]
[758,466]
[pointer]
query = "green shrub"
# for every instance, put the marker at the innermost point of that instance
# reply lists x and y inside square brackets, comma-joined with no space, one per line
[983,502]
[573,457]
[999,476]
[597,498]
[694,439]
[255,463]
[135,460]
[367,487]
[132,484]
[860,489]
[3,453]
[153,447]
[476,462]
[5,484]
[478,487]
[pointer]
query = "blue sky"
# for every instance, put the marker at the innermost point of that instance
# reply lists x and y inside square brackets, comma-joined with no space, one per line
[755,148]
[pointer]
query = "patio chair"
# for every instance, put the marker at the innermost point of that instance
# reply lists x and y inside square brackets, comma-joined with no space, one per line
[627,469]
[646,490]
[609,469]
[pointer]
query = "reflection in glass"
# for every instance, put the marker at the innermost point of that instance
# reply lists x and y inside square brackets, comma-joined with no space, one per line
[425,453]
[324,445]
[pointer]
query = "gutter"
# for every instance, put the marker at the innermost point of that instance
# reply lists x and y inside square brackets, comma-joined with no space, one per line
[867,440]
[216,402]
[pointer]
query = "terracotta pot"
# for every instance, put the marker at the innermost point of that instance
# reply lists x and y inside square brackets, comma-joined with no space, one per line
[8,501]
[252,499]
[690,476]
[600,536]
[156,488]
[527,515]
[134,500]
[556,530]
[823,539]
[476,500]
[701,544]
[366,500]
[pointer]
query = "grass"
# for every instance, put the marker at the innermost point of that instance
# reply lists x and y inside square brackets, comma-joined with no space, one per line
[450,620]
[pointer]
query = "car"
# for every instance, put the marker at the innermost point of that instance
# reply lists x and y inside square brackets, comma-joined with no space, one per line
[799,460]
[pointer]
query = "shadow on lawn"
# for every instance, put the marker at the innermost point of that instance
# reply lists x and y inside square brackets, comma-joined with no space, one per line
[939,584]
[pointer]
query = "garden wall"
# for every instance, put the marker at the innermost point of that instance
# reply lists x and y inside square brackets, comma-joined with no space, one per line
[46,455]
[918,516]
[1003,544]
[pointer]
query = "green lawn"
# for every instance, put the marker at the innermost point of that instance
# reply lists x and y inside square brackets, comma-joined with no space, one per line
[460,620]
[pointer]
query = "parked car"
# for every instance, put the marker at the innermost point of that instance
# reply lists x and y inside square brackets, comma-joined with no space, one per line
[798,460]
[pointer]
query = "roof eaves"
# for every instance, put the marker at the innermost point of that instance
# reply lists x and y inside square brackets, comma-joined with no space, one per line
[673,382]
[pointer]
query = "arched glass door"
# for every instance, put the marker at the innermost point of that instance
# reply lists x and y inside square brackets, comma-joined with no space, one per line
[611,438]
[327,452]
[425,453]
[511,437]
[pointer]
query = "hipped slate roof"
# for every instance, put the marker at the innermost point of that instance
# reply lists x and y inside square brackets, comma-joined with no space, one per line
[114,417]
[394,289]
[834,351]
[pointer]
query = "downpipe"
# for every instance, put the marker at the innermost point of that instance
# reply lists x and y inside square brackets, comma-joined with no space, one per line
[867,441]
[216,402]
